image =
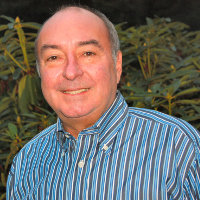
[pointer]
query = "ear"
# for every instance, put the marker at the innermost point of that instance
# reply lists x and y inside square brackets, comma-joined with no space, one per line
[119,65]
[38,67]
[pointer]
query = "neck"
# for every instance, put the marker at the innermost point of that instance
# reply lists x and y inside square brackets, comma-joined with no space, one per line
[75,125]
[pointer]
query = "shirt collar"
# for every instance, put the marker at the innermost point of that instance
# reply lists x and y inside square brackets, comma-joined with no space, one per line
[112,119]
[106,127]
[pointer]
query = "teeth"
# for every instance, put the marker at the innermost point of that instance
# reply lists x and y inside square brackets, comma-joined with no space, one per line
[75,91]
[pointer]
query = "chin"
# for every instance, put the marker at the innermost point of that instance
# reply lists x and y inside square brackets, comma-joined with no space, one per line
[73,114]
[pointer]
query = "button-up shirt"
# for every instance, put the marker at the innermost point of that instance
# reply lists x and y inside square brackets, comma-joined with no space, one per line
[129,153]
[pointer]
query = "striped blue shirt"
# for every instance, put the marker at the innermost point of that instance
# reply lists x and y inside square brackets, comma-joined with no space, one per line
[129,153]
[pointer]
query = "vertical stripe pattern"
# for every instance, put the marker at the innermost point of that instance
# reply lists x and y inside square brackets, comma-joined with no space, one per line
[129,153]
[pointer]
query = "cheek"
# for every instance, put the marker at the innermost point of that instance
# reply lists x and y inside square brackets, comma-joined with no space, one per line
[49,77]
[106,81]
[107,74]
[48,87]
[47,83]
[51,72]
[45,88]
[104,71]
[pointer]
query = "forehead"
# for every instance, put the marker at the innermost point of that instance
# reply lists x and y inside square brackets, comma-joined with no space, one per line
[73,23]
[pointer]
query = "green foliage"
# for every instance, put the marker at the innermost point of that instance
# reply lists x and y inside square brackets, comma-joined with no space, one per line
[23,112]
[162,68]
[161,71]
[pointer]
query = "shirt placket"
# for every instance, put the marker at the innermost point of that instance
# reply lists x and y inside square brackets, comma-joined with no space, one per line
[84,150]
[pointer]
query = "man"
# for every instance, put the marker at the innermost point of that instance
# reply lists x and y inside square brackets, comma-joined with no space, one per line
[99,148]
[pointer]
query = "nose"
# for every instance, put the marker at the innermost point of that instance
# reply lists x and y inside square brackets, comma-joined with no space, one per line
[72,69]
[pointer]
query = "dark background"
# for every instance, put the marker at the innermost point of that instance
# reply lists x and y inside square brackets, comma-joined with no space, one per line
[132,11]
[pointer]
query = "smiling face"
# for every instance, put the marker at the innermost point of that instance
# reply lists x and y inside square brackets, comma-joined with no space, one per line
[78,76]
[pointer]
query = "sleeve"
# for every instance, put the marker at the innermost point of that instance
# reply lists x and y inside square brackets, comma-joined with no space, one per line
[192,181]
[10,182]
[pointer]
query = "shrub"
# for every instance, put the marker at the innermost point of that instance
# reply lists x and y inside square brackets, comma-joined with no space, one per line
[23,112]
[162,68]
[161,71]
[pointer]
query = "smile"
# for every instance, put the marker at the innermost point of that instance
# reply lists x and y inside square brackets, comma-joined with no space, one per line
[76,91]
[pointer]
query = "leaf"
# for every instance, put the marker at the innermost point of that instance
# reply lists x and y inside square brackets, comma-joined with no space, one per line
[191,118]
[28,92]
[14,60]
[4,104]
[10,19]
[22,41]
[22,85]
[179,73]
[5,72]
[46,111]
[149,21]
[196,63]
[3,156]
[187,91]
[197,108]
[5,140]
[29,115]
[168,19]
[10,25]
[172,88]
[187,101]
[13,46]
[31,89]
[3,27]
[12,130]
[32,25]
[16,74]
[133,98]
[23,100]
[7,36]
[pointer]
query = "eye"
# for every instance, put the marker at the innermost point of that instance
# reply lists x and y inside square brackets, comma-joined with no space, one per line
[89,53]
[52,58]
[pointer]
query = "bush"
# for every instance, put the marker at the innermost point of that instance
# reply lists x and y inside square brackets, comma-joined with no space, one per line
[23,111]
[162,68]
[161,71]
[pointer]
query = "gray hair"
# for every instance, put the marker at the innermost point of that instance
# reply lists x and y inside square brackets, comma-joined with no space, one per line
[113,35]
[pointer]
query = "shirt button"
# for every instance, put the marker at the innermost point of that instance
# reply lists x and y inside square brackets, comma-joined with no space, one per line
[81,164]
[105,147]
[67,136]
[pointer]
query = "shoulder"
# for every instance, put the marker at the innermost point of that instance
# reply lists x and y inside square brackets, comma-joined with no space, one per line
[162,118]
[32,152]
[42,135]
[37,143]
[183,128]
[184,139]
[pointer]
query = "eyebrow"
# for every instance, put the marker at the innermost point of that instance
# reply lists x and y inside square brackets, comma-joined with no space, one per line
[90,42]
[48,46]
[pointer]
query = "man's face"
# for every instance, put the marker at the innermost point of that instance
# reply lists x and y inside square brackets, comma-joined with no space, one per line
[78,75]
